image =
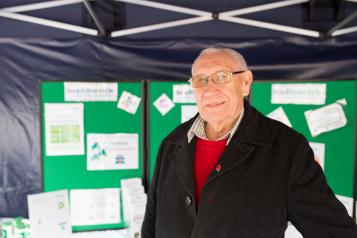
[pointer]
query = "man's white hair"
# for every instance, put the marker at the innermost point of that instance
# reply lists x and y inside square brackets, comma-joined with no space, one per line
[241,63]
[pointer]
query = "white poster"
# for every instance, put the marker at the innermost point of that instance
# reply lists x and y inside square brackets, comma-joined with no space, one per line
[183,93]
[187,112]
[291,232]
[112,151]
[95,206]
[280,115]
[324,119]
[86,91]
[64,129]
[50,215]
[301,93]
[347,202]
[163,104]
[129,102]
[319,152]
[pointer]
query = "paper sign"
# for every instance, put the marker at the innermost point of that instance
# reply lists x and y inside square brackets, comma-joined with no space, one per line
[129,102]
[81,92]
[112,151]
[187,112]
[291,232]
[347,202]
[280,115]
[163,104]
[95,206]
[183,93]
[50,215]
[64,129]
[324,119]
[319,152]
[307,93]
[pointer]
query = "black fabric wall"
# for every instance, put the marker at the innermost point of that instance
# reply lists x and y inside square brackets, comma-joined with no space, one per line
[24,62]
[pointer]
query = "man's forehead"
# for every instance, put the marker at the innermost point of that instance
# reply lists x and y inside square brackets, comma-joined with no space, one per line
[219,59]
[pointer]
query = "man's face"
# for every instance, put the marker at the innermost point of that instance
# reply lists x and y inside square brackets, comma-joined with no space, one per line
[220,103]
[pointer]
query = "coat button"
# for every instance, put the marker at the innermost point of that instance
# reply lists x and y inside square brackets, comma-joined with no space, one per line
[188,201]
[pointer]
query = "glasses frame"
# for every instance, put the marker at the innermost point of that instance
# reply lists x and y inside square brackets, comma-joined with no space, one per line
[230,74]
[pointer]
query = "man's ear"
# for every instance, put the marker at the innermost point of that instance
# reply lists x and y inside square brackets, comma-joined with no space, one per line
[247,82]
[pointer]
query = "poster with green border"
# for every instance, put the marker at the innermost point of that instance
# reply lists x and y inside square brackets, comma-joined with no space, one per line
[100,117]
[339,163]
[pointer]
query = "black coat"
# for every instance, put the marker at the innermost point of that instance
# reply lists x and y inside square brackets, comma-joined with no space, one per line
[268,176]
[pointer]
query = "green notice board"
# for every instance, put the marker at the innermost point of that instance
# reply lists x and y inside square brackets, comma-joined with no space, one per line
[104,117]
[161,125]
[340,144]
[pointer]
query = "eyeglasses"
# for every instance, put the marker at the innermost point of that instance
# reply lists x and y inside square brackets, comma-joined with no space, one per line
[217,78]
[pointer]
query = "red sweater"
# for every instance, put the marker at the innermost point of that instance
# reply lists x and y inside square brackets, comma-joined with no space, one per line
[206,158]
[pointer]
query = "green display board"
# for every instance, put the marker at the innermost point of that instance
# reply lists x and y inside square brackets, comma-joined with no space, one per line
[340,144]
[161,125]
[70,171]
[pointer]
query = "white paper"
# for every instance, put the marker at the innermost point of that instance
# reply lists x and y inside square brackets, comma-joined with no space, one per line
[95,206]
[86,91]
[319,152]
[347,202]
[112,151]
[129,102]
[183,93]
[163,104]
[324,119]
[187,112]
[280,115]
[302,93]
[64,129]
[291,232]
[50,215]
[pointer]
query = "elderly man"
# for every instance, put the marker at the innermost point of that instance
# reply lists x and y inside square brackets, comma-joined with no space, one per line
[232,172]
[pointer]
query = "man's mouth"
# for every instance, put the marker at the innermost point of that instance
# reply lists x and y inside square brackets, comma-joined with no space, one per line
[214,104]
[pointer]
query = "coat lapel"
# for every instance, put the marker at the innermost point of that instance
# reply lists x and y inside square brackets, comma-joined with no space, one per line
[233,155]
[183,162]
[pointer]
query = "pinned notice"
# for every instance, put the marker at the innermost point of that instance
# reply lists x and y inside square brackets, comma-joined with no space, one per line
[129,102]
[280,115]
[324,119]
[112,151]
[183,93]
[64,129]
[319,153]
[307,93]
[187,112]
[79,91]
[163,104]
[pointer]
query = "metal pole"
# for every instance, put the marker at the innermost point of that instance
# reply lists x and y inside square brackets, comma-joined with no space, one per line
[101,29]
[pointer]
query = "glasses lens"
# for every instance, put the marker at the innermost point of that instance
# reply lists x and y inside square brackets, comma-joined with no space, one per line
[199,81]
[220,77]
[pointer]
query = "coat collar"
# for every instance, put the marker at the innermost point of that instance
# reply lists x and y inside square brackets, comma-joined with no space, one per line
[253,131]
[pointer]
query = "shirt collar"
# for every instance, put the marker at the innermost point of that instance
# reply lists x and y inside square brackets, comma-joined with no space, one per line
[198,129]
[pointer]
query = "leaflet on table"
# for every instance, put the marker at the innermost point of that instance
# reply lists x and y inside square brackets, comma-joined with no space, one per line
[112,151]
[183,93]
[90,91]
[50,215]
[187,112]
[324,119]
[319,152]
[298,93]
[64,129]
[95,206]
[280,115]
